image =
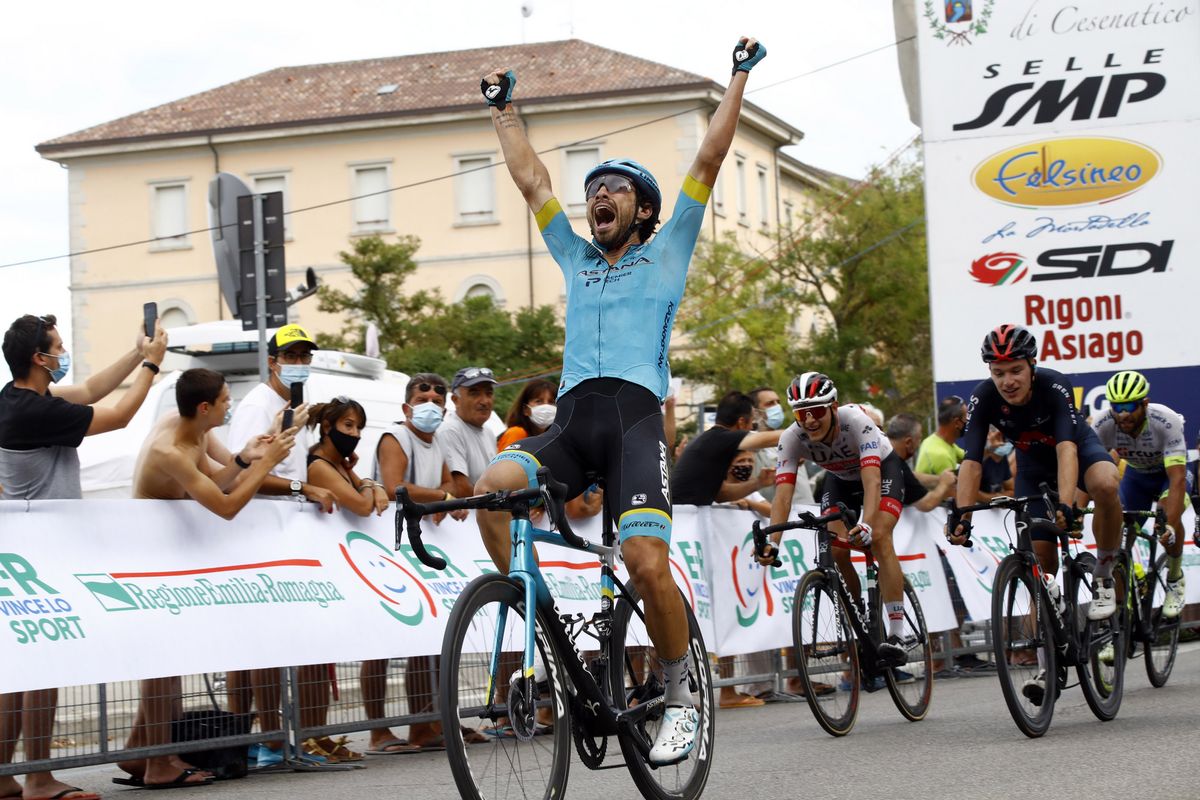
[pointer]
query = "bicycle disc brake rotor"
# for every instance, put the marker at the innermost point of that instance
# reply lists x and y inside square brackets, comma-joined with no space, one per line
[522,706]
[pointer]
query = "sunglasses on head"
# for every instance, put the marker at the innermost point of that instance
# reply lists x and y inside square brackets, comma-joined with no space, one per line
[1126,408]
[613,184]
[436,387]
[817,412]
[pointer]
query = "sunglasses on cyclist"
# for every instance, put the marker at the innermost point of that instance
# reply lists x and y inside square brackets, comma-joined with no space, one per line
[816,412]
[613,184]
[1126,408]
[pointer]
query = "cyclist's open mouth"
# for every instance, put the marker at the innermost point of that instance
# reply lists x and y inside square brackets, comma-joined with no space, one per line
[605,217]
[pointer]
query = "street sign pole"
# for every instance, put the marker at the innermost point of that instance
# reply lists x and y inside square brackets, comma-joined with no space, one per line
[260,285]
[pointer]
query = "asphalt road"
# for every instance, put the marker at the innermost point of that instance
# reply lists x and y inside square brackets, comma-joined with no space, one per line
[967,748]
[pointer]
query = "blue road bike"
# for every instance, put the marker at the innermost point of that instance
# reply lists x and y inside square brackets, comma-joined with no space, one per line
[533,679]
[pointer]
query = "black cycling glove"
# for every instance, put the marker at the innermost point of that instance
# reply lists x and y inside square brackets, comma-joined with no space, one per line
[499,94]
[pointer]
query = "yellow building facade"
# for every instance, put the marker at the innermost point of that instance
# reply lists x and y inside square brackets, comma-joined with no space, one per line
[145,179]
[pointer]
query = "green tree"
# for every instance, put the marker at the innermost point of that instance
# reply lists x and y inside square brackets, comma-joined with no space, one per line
[856,267]
[419,332]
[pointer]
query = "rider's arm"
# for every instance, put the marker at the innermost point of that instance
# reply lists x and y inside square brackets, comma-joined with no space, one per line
[1176,489]
[872,490]
[970,473]
[721,128]
[527,170]
[1068,472]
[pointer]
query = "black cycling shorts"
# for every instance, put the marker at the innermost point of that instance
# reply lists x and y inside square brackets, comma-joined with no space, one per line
[613,429]
[1032,473]
[850,493]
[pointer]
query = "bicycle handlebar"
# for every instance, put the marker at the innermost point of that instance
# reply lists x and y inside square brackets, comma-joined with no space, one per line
[1048,496]
[552,493]
[806,520]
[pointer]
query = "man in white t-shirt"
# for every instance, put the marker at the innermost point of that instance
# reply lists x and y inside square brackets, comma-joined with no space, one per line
[289,354]
[467,445]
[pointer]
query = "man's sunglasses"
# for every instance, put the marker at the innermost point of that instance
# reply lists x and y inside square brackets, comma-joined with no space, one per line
[613,184]
[816,412]
[1126,408]
[436,387]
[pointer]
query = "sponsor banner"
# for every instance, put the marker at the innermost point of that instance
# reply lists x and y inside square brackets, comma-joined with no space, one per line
[1060,182]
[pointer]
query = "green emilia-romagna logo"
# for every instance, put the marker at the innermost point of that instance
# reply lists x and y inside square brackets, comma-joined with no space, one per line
[227,585]
[405,593]
[36,611]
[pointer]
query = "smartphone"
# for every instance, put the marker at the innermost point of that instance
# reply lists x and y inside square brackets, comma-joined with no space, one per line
[150,315]
[287,419]
[297,390]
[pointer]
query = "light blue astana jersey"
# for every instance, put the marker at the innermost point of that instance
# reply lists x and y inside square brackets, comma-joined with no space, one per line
[619,317]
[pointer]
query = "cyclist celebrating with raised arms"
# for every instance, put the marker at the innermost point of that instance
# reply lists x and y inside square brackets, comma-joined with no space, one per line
[623,290]
[1149,436]
[863,473]
[1034,407]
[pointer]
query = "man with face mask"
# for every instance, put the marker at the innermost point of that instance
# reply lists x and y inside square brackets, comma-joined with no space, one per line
[938,451]
[997,476]
[41,427]
[769,415]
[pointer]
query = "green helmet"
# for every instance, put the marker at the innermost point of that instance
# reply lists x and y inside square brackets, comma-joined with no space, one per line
[1126,387]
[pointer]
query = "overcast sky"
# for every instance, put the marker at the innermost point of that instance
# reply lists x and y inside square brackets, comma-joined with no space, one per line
[85,64]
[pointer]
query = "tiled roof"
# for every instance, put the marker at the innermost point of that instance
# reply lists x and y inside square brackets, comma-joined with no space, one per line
[430,82]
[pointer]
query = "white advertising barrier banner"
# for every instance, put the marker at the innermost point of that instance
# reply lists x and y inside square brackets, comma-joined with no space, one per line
[753,604]
[1060,184]
[993,534]
[103,590]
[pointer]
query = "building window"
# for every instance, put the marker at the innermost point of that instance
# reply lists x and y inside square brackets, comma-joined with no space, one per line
[741,190]
[169,219]
[789,209]
[764,198]
[480,290]
[579,162]
[372,201]
[276,182]
[474,190]
[480,285]
[718,197]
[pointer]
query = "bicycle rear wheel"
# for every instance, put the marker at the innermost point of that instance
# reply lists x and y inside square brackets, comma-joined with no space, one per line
[912,692]
[826,653]
[512,764]
[636,676]
[1101,667]
[1023,644]
[1164,633]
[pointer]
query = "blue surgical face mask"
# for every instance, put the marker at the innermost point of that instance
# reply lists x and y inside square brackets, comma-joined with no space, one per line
[64,364]
[426,417]
[228,414]
[293,373]
[775,417]
[1003,449]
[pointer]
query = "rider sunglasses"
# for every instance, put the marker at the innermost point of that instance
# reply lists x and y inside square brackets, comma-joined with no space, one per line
[1126,408]
[613,184]
[816,412]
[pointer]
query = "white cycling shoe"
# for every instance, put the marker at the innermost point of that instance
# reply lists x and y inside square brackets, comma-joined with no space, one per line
[1034,689]
[676,735]
[1104,603]
[1175,600]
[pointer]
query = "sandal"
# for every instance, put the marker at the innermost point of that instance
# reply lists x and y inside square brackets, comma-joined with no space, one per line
[339,750]
[312,747]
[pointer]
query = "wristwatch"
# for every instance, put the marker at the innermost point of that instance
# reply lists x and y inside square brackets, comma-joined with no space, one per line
[296,488]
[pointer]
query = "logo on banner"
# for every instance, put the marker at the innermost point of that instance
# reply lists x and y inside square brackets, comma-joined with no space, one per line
[1051,99]
[1095,261]
[401,593]
[1067,172]
[749,584]
[995,269]
[956,21]
[36,612]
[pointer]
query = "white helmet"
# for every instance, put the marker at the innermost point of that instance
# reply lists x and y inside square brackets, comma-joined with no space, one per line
[811,389]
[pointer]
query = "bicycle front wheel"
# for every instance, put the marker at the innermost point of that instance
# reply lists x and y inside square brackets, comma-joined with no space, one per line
[636,676]
[911,686]
[826,653]
[1101,667]
[1023,644]
[1164,633]
[487,628]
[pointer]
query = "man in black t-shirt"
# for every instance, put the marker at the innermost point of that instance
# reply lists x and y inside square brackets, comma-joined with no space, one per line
[40,429]
[699,477]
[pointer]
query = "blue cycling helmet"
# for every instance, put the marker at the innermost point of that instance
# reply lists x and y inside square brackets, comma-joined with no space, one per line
[643,181]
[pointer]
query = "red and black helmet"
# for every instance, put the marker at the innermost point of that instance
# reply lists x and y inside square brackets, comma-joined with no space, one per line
[811,389]
[1009,343]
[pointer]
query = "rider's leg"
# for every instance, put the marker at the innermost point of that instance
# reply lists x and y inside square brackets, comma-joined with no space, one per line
[891,578]
[493,525]
[842,557]
[1101,480]
[646,559]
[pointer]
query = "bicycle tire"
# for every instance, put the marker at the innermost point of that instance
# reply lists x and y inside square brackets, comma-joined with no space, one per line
[1018,635]
[1101,678]
[1163,646]
[634,677]
[505,766]
[912,698]
[826,653]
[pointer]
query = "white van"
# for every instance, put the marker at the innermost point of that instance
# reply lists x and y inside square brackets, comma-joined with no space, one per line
[107,460]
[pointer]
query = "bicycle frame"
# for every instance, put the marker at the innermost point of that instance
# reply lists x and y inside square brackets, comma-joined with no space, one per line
[866,628]
[1141,607]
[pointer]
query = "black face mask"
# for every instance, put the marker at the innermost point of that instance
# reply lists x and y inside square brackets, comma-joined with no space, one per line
[344,443]
[741,473]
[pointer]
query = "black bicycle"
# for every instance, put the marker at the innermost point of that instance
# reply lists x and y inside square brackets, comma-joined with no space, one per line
[1036,639]
[1144,570]
[836,638]
[532,680]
